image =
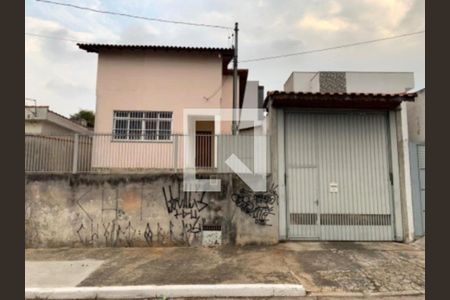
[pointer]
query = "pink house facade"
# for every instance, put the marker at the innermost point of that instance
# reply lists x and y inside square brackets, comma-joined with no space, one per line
[142,93]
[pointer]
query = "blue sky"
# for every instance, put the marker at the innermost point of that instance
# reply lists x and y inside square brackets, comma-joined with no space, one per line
[58,74]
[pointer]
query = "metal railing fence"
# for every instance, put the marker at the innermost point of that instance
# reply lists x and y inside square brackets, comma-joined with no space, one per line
[110,153]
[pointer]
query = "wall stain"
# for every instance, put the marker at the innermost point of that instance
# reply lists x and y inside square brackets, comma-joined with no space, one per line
[258,205]
[105,210]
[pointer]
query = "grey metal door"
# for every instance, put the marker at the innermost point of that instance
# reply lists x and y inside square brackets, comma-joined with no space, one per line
[302,177]
[338,183]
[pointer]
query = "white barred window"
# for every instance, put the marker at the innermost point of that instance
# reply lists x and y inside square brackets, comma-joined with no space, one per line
[142,125]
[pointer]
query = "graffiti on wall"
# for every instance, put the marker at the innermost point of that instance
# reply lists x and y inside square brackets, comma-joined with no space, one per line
[148,234]
[116,228]
[186,206]
[114,234]
[258,205]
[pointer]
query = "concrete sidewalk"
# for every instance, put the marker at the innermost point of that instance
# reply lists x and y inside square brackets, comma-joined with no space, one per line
[342,269]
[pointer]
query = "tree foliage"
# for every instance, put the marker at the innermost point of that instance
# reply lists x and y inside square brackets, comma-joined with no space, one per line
[86,115]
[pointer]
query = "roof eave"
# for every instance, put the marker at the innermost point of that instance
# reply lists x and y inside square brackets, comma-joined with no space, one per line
[101,47]
[337,100]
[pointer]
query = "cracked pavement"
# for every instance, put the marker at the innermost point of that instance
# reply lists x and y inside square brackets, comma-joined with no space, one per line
[323,268]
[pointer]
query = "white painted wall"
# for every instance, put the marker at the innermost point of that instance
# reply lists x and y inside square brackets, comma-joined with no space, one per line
[301,82]
[48,128]
[33,127]
[405,175]
[359,82]
[314,83]
[379,82]
[289,84]
[250,103]
[416,118]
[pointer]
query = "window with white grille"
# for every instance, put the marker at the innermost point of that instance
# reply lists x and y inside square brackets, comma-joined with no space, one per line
[142,125]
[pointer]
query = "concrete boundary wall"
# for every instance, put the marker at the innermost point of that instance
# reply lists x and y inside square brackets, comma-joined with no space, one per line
[124,210]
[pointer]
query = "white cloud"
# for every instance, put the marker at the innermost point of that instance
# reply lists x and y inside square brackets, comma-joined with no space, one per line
[60,74]
[57,73]
[136,33]
[323,24]
[393,10]
[334,7]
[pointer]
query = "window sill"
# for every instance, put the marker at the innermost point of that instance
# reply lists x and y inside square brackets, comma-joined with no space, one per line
[143,141]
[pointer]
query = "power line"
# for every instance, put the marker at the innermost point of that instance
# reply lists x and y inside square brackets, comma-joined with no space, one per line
[134,16]
[332,48]
[267,57]
[50,37]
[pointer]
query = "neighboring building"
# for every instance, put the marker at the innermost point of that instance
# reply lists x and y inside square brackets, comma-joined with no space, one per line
[416,132]
[343,161]
[416,118]
[253,100]
[413,116]
[42,121]
[339,160]
[142,92]
[350,82]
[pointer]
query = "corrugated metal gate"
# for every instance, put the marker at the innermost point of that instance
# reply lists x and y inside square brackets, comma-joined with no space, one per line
[338,181]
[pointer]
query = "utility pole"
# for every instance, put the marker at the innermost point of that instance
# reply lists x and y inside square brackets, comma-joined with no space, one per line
[235,80]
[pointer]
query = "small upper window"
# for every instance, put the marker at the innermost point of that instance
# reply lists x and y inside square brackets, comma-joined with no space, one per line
[140,125]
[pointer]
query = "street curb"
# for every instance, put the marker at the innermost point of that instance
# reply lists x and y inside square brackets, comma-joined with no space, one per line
[172,291]
[374,294]
[360,295]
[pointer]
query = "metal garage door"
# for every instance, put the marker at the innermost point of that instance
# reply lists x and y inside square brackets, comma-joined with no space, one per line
[338,179]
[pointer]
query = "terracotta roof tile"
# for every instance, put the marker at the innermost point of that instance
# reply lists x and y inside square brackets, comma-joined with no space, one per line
[337,100]
[96,47]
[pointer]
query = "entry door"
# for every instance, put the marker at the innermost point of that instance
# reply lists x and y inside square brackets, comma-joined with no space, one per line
[302,178]
[338,176]
[203,149]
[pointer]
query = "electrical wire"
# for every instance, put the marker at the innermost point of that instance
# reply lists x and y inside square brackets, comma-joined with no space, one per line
[50,37]
[267,57]
[134,16]
[215,92]
[331,48]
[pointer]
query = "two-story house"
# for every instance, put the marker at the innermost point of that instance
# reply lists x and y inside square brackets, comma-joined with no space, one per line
[142,95]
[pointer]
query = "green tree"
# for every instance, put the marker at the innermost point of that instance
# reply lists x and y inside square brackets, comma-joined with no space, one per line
[87,115]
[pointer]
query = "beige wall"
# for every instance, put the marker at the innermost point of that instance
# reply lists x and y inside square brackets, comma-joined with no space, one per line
[33,127]
[227,101]
[159,81]
[155,81]
[54,219]
[45,127]
[53,129]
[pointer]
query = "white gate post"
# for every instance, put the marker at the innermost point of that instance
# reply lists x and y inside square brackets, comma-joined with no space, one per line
[175,153]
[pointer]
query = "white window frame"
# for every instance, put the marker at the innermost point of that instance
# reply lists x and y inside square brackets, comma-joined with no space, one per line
[142,137]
